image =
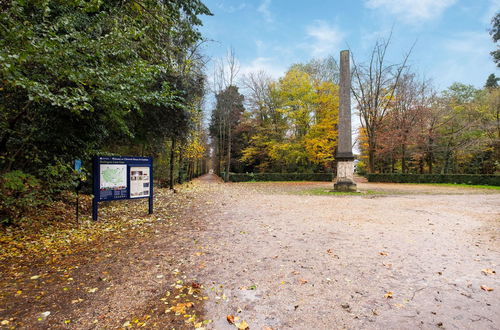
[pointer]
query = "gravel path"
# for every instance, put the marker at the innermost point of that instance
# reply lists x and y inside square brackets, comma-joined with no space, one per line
[410,259]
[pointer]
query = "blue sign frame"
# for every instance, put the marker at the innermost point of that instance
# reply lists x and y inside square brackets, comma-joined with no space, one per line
[120,190]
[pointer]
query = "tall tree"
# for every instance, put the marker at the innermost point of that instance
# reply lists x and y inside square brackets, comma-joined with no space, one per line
[229,107]
[495,35]
[374,86]
[492,81]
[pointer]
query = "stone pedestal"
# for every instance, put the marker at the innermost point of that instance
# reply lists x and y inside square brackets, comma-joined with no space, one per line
[345,176]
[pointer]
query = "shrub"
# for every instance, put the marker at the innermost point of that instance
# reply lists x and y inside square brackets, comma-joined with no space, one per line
[473,179]
[243,177]
[57,177]
[19,192]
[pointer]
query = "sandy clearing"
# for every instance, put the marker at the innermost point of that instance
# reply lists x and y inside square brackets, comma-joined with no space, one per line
[326,262]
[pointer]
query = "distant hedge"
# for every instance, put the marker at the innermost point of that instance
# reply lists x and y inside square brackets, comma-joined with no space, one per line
[475,179]
[243,177]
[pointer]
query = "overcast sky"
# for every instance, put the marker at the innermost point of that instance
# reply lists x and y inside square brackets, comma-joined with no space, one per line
[452,40]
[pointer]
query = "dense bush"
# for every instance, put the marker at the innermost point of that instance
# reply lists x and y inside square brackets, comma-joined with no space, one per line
[491,180]
[19,192]
[242,177]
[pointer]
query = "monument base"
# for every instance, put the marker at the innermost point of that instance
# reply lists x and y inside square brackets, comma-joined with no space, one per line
[345,187]
[345,177]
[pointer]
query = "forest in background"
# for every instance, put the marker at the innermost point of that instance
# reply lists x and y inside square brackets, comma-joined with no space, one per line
[406,125]
[83,78]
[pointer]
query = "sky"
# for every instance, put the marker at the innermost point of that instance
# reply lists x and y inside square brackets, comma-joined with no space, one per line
[451,38]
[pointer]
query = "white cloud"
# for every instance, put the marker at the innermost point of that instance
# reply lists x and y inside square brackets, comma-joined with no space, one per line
[272,66]
[491,11]
[470,43]
[265,11]
[325,38]
[231,8]
[411,11]
[468,62]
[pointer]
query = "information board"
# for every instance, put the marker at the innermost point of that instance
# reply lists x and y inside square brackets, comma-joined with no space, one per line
[122,178]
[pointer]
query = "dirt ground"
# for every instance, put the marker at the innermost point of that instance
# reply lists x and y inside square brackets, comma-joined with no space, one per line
[411,258]
[279,256]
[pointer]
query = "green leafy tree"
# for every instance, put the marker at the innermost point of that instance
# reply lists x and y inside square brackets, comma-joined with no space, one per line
[495,35]
[79,78]
[492,81]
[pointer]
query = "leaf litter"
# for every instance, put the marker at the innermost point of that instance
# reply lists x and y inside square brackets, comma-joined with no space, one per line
[62,263]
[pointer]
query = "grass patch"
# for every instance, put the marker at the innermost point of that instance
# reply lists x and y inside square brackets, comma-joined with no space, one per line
[460,185]
[329,192]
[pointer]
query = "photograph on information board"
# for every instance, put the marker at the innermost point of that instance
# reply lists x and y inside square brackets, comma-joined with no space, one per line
[139,182]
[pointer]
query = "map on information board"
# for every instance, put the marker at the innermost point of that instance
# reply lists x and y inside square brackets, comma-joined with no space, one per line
[139,182]
[113,176]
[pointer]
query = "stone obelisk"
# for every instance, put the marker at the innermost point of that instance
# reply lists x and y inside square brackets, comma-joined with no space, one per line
[344,156]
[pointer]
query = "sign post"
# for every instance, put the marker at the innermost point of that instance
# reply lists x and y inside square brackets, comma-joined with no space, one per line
[121,178]
[78,186]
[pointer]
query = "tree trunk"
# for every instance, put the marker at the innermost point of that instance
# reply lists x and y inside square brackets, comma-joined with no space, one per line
[393,163]
[430,156]
[403,159]
[430,161]
[371,159]
[446,164]
[172,161]
[228,165]
[181,167]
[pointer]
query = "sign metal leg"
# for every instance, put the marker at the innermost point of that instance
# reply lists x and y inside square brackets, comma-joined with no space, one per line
[94,209]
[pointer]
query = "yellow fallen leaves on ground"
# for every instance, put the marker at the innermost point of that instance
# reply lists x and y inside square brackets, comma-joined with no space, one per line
[486,288]
[180,308]
[488,271]
[235,320]
[389,294]
[243,325]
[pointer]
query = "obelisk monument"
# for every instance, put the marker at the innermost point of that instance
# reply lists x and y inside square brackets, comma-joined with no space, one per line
[344,156]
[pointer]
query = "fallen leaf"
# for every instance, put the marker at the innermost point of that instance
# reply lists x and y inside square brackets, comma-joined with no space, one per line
[195,285]
[303,281]
[383,253]
[35,277]
[67,321]
[43,316]
[329,251]
[485,288]
[180,308]
[230,319]
[5,322]
[267,328]
[389,294]
[92,290]
[243,325]
[488,271]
